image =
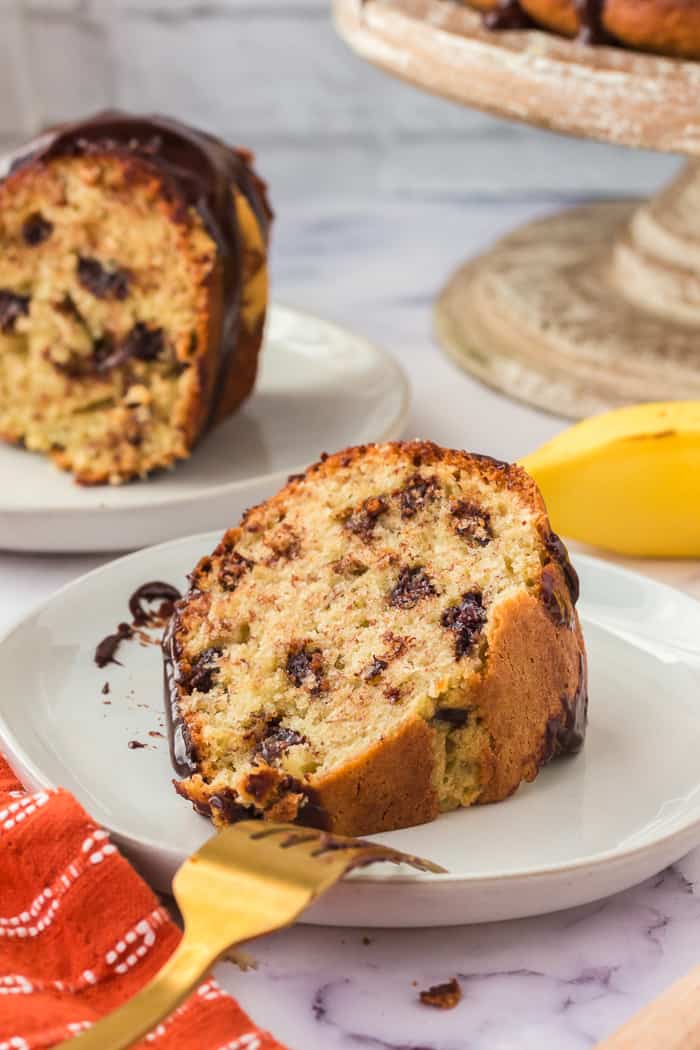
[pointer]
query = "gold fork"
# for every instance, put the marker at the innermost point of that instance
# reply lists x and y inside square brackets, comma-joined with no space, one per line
[247,880]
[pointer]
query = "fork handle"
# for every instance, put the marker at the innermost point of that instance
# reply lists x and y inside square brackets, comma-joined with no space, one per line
[183,971]
[671,1022]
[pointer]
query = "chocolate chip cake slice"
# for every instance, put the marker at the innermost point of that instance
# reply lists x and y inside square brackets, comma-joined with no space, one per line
[391,636]
[133,291]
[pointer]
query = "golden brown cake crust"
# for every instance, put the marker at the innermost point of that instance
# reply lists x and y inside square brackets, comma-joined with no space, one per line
[527,698]
[670,27]
[667,27]
[148,240]
[560,16]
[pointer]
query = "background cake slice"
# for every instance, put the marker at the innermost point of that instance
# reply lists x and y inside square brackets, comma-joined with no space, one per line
[393,635]
[133,290]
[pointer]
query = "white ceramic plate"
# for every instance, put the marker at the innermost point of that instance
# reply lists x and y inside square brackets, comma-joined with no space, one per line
[320,388]
[628,805]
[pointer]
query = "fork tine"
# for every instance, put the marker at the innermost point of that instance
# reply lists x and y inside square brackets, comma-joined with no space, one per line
[317,844]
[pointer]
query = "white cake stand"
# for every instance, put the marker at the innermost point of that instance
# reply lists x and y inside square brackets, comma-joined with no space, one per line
[595,307]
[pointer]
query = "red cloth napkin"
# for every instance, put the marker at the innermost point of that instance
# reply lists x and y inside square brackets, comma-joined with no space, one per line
[81,932]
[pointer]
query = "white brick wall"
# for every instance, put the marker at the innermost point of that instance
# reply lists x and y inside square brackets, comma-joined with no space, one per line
[272,74]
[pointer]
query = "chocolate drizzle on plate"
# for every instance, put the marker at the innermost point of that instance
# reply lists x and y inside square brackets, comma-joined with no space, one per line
[198,171]
[105,652]
[154,591]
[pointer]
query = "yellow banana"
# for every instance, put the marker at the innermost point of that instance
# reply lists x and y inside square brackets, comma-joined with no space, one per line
[628,480]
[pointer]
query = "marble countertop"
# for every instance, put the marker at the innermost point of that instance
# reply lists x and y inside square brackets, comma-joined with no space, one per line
[374,262]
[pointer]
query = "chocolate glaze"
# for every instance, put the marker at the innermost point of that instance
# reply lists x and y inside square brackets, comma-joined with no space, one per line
[197,171]
[508,15]
[559,553]
[12,306]
[454,716]
[590,15]
[565,733]
[153,591]
[182,753]
[550,595]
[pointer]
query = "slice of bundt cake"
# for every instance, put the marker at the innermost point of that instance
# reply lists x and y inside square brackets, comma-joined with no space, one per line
[133,290]
[391,636]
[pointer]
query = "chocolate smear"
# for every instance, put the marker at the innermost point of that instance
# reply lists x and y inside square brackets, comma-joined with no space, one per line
[107,648]
[154,591]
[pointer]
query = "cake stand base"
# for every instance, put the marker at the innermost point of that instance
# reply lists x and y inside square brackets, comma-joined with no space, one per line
[587,310]
[594,308]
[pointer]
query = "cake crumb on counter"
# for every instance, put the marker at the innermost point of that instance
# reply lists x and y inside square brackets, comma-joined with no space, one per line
[443,996]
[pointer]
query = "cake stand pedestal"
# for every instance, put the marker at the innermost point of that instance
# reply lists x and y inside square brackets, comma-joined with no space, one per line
[598,306]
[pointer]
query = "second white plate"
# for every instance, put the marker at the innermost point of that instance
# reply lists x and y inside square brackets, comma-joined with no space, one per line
[320,388]
[628,805]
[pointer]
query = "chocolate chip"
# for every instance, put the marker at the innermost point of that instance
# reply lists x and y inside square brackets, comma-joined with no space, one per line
[466,621]
[305,669]
[416,494]
[411,587]
[374,669]
[233,569]
[203,671]
[143,342]
[226,806]
[472,522]
[36,229]
[100,282]
[278,740]
[284,543]
[261,783]
[361,522]
[455,716]
[393,695]
[12,306]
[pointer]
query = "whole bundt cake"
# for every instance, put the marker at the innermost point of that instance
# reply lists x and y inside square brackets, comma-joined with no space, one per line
[133,291]
[670,27]
[391,636]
